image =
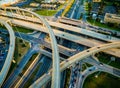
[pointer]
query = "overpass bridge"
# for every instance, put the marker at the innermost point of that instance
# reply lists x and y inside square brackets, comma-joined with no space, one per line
[45,43]
[81,24]
[45,28]
[64,64]
[21,16]
[55,55]
[69,21]
[89,42]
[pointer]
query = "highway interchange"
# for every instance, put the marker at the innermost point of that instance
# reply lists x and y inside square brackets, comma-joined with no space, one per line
[74,56]
[74,38]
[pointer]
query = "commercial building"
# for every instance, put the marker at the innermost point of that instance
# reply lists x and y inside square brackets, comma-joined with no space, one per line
[112,18]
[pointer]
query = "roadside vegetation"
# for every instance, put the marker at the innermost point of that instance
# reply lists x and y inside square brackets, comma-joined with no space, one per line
[49,12]
[85,66]
[46,12]
[104,80]
[67,80]
[96,23]
[99,19]
[19,29]
[105,58]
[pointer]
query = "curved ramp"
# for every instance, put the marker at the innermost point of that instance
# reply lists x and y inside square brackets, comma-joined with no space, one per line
[55,54]
[63,65]
[10,54]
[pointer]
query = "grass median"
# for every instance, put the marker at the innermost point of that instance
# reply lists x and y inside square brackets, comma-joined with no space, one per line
[104,80]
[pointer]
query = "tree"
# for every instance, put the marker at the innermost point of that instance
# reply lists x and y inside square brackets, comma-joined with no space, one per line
[23,45]
[89,7]
[39,1]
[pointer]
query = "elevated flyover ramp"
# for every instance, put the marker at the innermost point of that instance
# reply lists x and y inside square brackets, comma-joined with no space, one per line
[60,25]
[55,55]
[74,38]
[10,54]
[82,55]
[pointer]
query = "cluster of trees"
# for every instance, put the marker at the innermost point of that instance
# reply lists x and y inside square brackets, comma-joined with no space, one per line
[88,6]
[39,1]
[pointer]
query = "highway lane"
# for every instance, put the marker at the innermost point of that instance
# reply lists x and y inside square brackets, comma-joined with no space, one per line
[63,26]
[63,65]
[24,79]
[105,67]
[44,67]
[75,72]
[64,20]
[20,83]
[64,50]
[27,25]
[83,31]
[74,38]
[92,34]
[74,12]
[111,70]
[63,78]
[71,37]
[74,9]
[36,42]
[97,67]
[9,57]
[21,35]
[79,23]
[18,70]
[85,74]
[55,54]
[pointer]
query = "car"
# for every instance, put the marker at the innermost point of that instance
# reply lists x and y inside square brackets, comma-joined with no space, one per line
[1,57]
[101,64]
[98,47]
[66,60]
[1,60]
[48,73]
[2,54]
[74,80]
[100,29]
[90,69]
[83,76]
[87,50]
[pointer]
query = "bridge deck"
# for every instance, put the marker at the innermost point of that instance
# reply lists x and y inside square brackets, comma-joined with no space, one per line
[71,37]
[63,26]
